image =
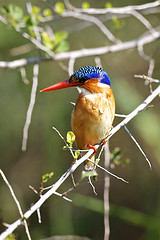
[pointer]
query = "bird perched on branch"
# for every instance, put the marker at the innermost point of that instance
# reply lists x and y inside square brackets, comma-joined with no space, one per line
[94,112]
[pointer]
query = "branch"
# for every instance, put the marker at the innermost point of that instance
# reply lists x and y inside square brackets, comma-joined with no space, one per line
[120,10]
[141,41]
[92,19]
[31,106]
[17,202]
[52,191]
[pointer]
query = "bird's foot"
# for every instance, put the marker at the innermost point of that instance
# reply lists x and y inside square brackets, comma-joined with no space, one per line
[92,147]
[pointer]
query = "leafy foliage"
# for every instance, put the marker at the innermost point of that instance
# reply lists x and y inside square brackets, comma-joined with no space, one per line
[15,16]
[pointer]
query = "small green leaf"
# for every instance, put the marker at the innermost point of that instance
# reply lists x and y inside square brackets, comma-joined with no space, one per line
[108,5]
[85,5]
[60,36]
[13,13]
[35,10]
[87,174]
[47,12]
[66,147]
[62,47]
[76,154]
[47,41]
[59,7]
[70,137]
[46,177]
[10,237]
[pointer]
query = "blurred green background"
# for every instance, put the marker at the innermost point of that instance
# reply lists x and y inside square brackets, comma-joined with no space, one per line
[135,207]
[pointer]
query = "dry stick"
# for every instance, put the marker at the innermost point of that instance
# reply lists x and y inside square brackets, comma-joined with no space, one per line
[137,144]
[44,197]
[31,105]
[17,202]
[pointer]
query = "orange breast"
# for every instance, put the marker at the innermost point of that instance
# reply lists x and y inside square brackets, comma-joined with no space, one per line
[93,117]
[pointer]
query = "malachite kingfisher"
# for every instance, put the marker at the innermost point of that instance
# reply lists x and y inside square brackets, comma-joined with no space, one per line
[94,111]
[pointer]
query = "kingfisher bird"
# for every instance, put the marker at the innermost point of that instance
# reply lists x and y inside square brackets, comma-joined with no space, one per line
[94,111]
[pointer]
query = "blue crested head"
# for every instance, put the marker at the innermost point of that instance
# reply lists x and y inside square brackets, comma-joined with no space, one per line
[88,72]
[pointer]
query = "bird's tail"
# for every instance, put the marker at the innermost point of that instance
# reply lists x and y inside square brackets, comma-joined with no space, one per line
[90,166]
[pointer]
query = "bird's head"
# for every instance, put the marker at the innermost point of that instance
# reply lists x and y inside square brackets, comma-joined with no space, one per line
[84,78]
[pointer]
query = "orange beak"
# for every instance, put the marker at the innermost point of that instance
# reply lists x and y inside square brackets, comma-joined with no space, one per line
[60,85]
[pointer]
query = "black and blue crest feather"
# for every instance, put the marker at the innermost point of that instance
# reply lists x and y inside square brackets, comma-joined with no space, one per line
[89,72]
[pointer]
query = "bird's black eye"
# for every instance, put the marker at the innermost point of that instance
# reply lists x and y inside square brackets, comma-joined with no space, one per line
[82,80]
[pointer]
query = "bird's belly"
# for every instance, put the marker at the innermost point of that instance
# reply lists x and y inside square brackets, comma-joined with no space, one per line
[91,123]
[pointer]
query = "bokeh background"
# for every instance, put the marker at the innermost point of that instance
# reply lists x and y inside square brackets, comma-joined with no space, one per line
[134,207]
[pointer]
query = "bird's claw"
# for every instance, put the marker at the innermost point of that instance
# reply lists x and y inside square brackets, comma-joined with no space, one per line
[92,147]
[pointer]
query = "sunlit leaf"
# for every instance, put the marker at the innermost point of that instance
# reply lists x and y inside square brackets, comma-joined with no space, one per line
[62,47]
[70,137]
[47,12]
[10,237]
[46,177]
[76,154]
[59,7]
[47,41]
[60,36]
[85,5]
[108,5]
[35,9]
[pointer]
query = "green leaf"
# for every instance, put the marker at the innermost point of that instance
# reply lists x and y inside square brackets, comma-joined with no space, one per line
[59,7]
[76,154]
[85,5]
[35,10]
[47,12]
[46,177]
[47,41]
[66,147]
[13,13]
[10,237]
[70,137]
[87,174]
[108,5]
[62,47]
[60,36]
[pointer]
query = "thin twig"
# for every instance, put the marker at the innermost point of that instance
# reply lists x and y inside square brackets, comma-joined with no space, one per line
[63,140]
[17,203]
[93,187]
[92,19]
[31,106]
[137,144]
[149,79]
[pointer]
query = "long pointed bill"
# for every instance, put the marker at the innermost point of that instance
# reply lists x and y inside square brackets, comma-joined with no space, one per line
[60,85]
